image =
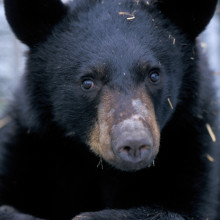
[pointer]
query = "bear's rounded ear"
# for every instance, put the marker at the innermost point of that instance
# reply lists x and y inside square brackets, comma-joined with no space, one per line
[191,16]
[33,20]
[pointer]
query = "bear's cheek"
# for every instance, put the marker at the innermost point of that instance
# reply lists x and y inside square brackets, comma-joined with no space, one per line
[126,133]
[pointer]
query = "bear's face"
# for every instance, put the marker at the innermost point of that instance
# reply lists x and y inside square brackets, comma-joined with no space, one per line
[107,77]
[109,72]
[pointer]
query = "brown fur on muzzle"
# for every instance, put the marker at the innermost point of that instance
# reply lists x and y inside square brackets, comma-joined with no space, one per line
[128,115]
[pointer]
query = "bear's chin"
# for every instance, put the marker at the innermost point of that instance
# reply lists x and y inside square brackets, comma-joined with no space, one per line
[131,166]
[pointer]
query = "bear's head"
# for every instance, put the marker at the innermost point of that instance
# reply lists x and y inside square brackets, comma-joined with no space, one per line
[109,71]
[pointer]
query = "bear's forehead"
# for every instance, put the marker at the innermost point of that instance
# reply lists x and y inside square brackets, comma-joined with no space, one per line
[112,17]
[115,27]
[120,33]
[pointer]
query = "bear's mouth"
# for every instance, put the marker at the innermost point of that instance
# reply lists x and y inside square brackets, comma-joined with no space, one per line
[125,134]
[132,166]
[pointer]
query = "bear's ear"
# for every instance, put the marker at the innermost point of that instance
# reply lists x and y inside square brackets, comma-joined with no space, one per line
[191,16]
[33,20]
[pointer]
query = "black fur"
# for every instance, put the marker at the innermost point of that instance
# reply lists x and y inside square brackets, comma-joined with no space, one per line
[46,167]
[33,20]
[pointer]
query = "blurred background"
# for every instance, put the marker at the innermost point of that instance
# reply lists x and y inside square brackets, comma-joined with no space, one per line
[12,55]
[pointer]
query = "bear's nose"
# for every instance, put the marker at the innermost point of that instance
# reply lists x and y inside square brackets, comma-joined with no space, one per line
[132,143]
[133,149]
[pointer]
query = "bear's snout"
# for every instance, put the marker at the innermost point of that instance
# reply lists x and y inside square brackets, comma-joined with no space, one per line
[125,134]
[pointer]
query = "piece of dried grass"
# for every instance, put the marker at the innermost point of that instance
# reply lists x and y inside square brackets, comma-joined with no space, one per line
[4,121]
[211,133]
[100,164]
[131,16]
[210,158]
[170,103]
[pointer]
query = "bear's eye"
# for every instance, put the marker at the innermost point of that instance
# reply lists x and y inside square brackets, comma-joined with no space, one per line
[87,84]
[154,77]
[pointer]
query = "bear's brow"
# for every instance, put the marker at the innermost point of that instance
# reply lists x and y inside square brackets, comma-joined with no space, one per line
[143,66]
[97,70]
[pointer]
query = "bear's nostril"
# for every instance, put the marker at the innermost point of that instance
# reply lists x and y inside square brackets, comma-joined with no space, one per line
[125,149]
[144,147]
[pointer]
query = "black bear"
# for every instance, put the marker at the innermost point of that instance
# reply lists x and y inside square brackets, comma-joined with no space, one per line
[115,117]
